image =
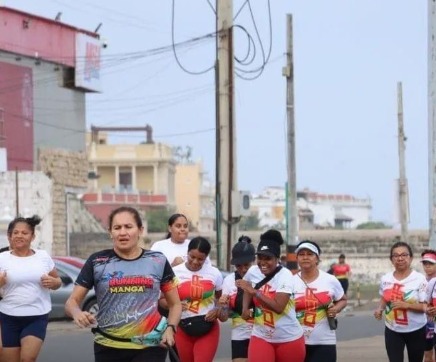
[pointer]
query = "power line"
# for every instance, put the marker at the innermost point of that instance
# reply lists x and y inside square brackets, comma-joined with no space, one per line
[174,49]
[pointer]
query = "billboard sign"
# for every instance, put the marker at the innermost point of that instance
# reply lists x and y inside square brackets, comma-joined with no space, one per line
[16,116]
[88,63]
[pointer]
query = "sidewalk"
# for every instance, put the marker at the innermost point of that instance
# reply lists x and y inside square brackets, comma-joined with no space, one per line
[362,350]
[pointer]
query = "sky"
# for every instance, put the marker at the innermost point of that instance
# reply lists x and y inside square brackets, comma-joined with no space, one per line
[348,58]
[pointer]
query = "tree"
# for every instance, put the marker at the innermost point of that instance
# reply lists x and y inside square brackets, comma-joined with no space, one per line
[157,220]
[373,225]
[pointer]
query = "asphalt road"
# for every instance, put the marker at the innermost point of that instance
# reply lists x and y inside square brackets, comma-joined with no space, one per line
[66,343]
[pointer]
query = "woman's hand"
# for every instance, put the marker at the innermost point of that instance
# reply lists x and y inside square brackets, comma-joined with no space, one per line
[212,314]
[83,319]
[177,260]
[167,338]
[185,305]
[246,314]
[378,314]
[224,300]
[49,282]
[3,278]
[245,286]
[332,311]
[431,311]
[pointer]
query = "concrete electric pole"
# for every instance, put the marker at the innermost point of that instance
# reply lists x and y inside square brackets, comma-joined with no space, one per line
[432,120]
[292,211]
[226,185]
[402,182]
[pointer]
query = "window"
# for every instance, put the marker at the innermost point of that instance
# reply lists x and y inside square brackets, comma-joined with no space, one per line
[125,179]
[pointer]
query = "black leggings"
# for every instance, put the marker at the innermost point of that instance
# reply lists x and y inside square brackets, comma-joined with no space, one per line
[320,352]
[344,283]
[414,342]
[109,354]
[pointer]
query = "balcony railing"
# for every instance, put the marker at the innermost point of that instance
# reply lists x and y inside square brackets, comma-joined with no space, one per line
[123,198]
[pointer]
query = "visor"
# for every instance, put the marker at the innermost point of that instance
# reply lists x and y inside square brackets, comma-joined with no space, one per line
[308,246]
[429,257]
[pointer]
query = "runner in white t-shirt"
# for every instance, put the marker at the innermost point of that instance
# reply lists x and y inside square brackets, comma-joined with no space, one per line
[318,296]
[175,249]
[404,302]
[428,260]
[26,277]
[243,256]
[175,246]
[277,335]
[199,288]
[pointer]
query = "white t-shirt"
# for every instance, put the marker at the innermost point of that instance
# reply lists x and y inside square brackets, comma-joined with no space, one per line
[171,249]
[431,291]
[23,294]
[412,290]
[198,288]
[311,303]
[241,329]
[268,325]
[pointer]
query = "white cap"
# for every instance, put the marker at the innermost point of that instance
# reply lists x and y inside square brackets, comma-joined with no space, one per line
[307,246]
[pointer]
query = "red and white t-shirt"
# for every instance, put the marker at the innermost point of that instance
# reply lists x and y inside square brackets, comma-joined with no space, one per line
[198,288]
[341,271]
[241,329]
[268,325]
[411,290]
[311,302]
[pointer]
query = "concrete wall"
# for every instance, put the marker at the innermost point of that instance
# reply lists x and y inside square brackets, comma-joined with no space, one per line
[34,197]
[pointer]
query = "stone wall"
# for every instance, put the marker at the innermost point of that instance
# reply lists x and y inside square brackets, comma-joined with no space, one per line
[84,244]
[68,170]
[367,251]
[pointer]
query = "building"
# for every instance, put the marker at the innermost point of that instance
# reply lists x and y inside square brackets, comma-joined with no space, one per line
[195,196]
[139,174]
[46,69]
[315,210]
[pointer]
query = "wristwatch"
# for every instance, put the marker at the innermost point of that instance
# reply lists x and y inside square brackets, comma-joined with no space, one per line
[173,327]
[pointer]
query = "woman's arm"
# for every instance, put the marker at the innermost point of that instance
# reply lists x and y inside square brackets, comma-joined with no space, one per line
[72,308]
[335,307]
[172,300]
[52,280]
[276,304]
[223,303]
[222,310]
[379,311]
[415,307]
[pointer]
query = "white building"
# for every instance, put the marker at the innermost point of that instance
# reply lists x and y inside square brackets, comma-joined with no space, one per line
[315,210]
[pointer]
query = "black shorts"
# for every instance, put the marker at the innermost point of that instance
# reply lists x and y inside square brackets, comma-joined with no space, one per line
[320,352]
[430,337]
[240,348]
[15,328]
[109,354]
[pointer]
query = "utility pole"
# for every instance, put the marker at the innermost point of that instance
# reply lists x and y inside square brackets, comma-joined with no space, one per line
[431,88]
[291,189]
[402,182]
[226,187]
